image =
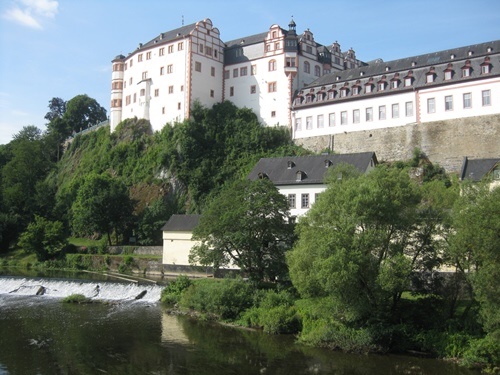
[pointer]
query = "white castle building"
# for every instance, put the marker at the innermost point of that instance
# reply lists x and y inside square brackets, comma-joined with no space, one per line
[324,95]
[162,78]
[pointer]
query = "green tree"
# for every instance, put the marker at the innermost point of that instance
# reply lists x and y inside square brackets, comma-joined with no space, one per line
[102,205]
[361,242]
[247,224]
[475,248]
[57,108]
[45,238]
[82,112]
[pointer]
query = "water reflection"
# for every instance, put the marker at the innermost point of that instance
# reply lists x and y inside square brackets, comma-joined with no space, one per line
[40,335]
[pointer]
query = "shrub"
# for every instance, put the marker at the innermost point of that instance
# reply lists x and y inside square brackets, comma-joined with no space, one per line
[76,298]
[226,299]
[484,353]
[171,294]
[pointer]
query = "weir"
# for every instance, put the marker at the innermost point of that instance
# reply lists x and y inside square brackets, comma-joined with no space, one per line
[61,288]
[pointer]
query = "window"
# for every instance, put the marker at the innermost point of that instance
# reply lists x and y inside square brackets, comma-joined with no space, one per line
[231,91]
[305,201]
[162,110]
[170,68]
[148,55]
[253,89]
[243,71]
[272,65]
[290,61]
[343,118]
[131,63]
[291,200]
[162,70]
[408,81]
[135,97]
[320,121]
[317,71]
[179,106]
[197,66]
[182,88]
[307,67]
[368,89]
[273,113]
[208,51]
[468,100]
[395,110]
[162,52]
[157,92]
[381,86]
[130,81]
[485,69]
[180,46]
[254,70]
[144,75]
[276,45]
[235,72]
[272,87]
[143,92]
[139,57]
[430,77]
[431,105]
[200,48]
[170,89]
[486,95]
[170,49]
[309,122]
[331,94]
[355,90]
[212,71]
[127,100]
[394,84]
[448,103]
[466,72]
[409,109]
[226,74]
[212,94]
[381,112]
[343,92]
[355,116]
[331,119]
[447,75]
[369,114]
[298,124]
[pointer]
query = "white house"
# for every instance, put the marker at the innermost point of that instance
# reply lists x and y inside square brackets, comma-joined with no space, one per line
[177,239]
[301,178]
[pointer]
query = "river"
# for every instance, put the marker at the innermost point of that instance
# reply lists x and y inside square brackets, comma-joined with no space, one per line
[39,335]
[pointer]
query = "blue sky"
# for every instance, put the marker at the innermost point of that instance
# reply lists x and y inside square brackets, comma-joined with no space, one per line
[63,48]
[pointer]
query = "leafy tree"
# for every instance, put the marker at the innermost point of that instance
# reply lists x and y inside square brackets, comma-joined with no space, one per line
[57,108]
[361,242]
[44,238]
[102,205]
[153,218]
[82,112]
[247,224]
[475,248]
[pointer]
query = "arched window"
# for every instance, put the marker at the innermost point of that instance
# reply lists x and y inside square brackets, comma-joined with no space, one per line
[307,67]
[272,65]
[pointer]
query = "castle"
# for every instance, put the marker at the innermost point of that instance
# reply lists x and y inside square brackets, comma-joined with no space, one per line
[327,97]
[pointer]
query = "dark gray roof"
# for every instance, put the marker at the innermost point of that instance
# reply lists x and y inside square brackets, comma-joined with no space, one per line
[168,36]
[247,40]
[476,169]
[181,223]
[313,168]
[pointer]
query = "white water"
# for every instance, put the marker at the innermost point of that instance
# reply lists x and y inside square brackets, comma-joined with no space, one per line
[91,289]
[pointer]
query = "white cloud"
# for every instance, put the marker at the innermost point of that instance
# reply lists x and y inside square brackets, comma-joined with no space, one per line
[31,12]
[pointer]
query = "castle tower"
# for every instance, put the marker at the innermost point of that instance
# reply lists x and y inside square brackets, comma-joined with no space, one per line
[116,91]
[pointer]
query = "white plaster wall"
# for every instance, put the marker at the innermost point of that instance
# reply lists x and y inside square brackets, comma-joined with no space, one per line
[349,106]
[298,190]
[176,248]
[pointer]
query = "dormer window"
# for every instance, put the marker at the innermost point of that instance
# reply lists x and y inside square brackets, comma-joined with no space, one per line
[368,88]
[355,90]
[299,176]
[290,164]
[263,176]
[343,92]
[394,82]
[381,86]
[430,75]
[485,66]
[331,94]
[298,100]
[408,81]
[328,163]
[466,69]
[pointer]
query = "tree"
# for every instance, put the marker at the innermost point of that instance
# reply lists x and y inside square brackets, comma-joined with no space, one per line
[475,248]
[361,242]
[102,205]
[57,108]
[83,112]
[247,224]
[44,238]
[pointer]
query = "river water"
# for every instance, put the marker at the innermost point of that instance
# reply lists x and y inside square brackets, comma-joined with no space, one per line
[39,335]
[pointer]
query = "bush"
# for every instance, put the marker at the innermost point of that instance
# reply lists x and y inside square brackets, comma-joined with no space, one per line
[173,291]
[226,299]
[76,298]
[484,353]
[274,312]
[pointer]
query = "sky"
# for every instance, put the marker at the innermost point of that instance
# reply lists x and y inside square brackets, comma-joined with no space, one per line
[64,48]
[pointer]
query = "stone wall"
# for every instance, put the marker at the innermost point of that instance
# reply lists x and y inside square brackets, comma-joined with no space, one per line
[142,250]
[444,142]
